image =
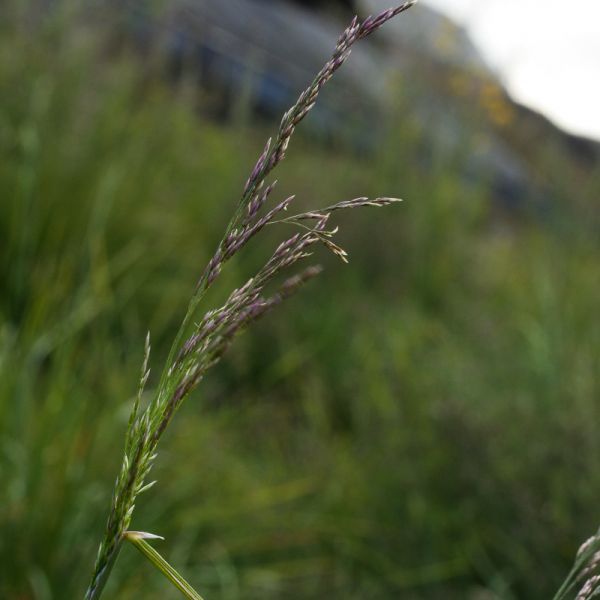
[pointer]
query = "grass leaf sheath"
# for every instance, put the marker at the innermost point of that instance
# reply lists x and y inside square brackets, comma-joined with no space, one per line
[138,539]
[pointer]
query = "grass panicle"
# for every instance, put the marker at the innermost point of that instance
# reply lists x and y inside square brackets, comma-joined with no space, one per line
[583,581]
[199,346]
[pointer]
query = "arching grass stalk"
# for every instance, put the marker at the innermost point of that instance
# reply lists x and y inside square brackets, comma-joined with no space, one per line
[201,342]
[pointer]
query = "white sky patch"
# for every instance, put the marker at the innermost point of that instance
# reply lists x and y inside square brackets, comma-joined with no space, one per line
[546,51]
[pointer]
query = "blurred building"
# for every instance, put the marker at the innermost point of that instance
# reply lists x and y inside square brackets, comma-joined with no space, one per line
[258,55]
[261,54]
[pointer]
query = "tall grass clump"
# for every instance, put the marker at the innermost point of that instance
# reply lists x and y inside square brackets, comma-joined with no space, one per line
[201,341]
[431,433]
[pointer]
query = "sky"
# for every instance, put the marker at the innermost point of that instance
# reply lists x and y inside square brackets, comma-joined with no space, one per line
[546,51]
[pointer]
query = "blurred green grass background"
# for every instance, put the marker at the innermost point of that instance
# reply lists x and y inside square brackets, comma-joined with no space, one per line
[420,424]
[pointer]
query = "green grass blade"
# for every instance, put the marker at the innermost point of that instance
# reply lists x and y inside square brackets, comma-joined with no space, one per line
[138,539]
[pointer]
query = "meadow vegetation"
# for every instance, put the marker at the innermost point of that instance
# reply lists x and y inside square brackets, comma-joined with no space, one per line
[420,425]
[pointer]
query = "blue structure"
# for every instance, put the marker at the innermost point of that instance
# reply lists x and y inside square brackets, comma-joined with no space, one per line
[264,53]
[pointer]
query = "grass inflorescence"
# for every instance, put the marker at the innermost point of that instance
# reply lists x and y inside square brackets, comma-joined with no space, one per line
[192,356]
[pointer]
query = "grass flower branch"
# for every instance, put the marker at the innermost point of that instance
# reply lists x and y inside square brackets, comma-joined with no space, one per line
[583,581]
[199,346]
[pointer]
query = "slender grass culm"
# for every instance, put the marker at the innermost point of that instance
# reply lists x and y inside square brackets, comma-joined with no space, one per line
[201,341]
